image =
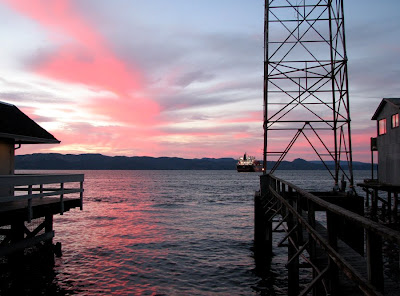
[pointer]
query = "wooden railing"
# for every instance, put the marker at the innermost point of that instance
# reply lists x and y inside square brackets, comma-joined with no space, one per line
[296,209]
[41,186]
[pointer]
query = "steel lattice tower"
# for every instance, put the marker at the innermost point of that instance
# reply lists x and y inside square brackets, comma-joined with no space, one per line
[306,97]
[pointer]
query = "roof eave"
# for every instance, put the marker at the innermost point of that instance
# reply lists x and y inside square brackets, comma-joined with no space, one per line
[381,105]
[21,139]
[378,110]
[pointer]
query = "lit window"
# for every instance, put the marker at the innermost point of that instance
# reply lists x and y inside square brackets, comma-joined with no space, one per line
[395,120]
[382,127]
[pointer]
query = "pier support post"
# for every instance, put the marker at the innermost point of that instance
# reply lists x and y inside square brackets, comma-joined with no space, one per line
[374,204]
[367,197]
[389,206]
[395,205]
[262,225]
[17,235]
[48,220]
[293,260]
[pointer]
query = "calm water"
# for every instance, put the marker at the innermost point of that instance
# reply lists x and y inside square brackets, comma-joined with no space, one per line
[166,233]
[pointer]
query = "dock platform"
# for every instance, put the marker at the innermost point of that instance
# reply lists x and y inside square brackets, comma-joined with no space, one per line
[26,211]
[328,233]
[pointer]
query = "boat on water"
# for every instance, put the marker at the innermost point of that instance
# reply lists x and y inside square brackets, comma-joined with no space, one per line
[248,164]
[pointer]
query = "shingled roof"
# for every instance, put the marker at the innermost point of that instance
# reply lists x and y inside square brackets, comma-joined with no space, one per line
[394,101]
[15,125]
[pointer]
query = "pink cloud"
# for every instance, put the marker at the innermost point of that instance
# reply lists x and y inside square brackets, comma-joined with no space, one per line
[138,110]
[109,140]
[88,60]
[96,67]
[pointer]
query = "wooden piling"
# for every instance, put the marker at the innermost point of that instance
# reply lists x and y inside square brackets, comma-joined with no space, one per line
[395,206]
[334,251]
[293,260]
[16,236]
[48,220]
[38,202]
[262,223]
[374,204]
[389,206]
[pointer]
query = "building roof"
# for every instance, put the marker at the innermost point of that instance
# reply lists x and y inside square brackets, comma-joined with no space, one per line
[393,101]
[15,125]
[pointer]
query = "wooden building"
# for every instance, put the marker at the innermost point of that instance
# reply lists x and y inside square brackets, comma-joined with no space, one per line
[388,141]
[16,129]
[29,201]
[384,191]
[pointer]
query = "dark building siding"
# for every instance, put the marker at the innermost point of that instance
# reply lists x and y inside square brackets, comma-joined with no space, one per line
[389,147]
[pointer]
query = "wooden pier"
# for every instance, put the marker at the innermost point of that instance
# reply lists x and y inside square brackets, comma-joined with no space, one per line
[328,235]
[382,199]
[26,216]
[28,202]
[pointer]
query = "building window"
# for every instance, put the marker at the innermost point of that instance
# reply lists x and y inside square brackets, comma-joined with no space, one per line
[395,120]
[382,126]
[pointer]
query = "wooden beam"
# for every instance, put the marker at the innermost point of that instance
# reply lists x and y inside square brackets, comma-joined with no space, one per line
[25,243]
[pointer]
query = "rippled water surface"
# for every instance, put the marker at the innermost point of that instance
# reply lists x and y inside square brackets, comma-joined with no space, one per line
[167,233]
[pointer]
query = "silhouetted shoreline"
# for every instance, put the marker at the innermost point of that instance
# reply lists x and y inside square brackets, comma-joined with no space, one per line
[55,161]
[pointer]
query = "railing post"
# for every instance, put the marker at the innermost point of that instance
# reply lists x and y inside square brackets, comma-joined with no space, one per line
[374,260]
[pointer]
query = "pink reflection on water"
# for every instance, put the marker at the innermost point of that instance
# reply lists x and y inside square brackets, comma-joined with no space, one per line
[113,244]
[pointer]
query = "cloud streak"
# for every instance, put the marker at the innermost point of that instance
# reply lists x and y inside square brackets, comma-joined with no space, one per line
[80,55]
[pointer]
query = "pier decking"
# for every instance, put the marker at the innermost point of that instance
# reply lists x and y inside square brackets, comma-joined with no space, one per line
[35,197]
[375,192]
[343,250]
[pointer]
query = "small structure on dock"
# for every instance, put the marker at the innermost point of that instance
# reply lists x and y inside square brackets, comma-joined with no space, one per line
[387,144]
[28,202]
[388,141]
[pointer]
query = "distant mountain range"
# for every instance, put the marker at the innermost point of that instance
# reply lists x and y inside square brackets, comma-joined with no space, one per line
[55,161]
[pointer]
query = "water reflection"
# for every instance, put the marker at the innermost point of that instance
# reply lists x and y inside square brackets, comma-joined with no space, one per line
[148,232]
[165,233]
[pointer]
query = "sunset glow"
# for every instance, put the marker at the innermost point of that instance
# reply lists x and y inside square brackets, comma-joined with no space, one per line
[124,78]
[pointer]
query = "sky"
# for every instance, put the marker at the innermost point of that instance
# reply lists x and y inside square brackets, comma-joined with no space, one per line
[170,78]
